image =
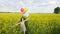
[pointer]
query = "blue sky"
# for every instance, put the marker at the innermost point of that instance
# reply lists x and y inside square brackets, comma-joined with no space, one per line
[34,6]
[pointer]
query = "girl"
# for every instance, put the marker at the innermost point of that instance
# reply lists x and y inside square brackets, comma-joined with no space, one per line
[22,24]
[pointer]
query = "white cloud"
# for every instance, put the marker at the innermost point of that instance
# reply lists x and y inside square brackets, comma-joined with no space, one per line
[30,1]
[40,6]
[52,2]
[43,3]
[21,3]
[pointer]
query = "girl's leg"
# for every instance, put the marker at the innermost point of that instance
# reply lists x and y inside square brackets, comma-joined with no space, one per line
[24,32]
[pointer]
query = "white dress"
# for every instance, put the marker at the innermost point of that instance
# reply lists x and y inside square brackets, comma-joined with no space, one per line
[23,26]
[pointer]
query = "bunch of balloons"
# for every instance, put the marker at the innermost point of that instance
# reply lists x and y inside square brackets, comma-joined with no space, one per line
[24,11]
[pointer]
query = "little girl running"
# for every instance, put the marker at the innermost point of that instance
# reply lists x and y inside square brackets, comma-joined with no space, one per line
[22,24]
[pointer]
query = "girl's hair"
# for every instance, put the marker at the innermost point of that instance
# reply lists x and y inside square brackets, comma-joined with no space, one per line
[23,18]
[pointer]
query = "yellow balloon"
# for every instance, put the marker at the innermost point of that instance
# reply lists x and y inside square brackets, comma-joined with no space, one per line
[25,9]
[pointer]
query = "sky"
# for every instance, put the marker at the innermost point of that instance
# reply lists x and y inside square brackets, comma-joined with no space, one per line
[34,6]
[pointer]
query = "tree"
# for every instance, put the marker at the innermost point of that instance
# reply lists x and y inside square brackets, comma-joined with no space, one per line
[57,10]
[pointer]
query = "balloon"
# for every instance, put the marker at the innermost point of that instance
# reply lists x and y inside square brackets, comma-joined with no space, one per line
[22,9]
[25,9]
[26,14]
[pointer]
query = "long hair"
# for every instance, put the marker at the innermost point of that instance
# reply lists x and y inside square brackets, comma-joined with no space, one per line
[23,18]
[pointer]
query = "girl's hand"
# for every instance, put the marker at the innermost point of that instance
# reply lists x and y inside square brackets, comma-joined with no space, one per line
[14,25]
[26,19]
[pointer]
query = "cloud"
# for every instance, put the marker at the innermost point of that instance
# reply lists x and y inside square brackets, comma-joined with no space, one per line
[30,1]
[40,6]
[21,3]
[52,2]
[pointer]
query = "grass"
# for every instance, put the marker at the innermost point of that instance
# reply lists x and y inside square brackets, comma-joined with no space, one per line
[37,23]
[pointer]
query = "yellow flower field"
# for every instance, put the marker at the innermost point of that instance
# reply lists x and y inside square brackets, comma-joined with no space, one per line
[36,24]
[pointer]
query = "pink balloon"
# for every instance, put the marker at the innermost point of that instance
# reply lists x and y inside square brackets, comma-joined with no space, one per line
[22,9]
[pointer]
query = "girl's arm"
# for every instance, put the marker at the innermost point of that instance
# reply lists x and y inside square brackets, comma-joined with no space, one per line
[26,19]
[15,25]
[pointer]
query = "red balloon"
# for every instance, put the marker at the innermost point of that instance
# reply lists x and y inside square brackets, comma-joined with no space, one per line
[22,9]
